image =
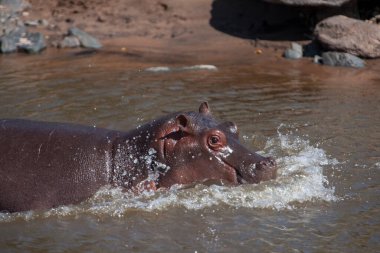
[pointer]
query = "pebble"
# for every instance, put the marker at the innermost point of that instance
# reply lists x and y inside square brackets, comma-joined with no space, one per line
[294,52]
[85,39]
[69,42]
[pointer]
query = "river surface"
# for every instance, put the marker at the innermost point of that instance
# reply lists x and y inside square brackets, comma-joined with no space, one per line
[322,125]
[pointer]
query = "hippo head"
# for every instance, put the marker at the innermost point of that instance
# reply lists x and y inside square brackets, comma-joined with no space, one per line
[196,148]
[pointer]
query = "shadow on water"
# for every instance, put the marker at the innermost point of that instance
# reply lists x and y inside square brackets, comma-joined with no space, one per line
[258,20]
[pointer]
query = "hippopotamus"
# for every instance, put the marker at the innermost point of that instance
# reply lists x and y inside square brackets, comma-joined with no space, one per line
[44,165]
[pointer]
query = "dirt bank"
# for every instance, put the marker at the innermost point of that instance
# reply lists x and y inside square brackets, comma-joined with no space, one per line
[205,29]
[159,25]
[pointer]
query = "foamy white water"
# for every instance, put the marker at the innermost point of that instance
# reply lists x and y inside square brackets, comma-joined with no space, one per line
[158,69]
[200,67]
[194,67]
[300,179]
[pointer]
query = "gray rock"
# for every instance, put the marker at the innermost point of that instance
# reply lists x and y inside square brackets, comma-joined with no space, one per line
[11,26]
[296,47]
[85,39]
[340,33]
[5,14]
[334,3]
[43,22]
[32,43]
[342,59]
[69,41]
[15,5]
[31,23]
[294,52]
[9,21]
[9,42]
[10,39]
[37,22]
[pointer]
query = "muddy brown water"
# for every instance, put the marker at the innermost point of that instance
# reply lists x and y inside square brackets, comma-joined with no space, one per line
[321,123]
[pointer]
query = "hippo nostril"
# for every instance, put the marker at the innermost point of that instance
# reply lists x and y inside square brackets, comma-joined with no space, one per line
[266,164]
[271,161]
[260,165]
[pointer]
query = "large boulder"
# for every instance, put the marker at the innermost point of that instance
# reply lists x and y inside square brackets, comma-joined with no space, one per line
[334,3]
[340,33]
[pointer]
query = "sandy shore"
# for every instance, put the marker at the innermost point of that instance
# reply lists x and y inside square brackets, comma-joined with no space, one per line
[194,31]
[170,25]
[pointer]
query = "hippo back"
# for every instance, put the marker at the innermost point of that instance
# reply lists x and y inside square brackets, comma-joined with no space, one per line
[43,165]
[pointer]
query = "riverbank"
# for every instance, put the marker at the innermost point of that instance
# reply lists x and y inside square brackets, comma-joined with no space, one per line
[198,30]
[198,23]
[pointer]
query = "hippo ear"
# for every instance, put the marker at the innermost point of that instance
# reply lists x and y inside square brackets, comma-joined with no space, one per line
[183,123]
[204,108]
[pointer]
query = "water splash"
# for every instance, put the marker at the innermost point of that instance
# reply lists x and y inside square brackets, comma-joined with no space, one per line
[300,179]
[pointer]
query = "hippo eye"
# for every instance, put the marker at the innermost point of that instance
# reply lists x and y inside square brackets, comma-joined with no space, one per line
[214,140]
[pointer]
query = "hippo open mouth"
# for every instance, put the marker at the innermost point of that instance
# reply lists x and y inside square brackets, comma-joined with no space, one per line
[239,178]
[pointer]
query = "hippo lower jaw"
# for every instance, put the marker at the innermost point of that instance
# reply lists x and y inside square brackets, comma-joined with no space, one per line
[239,177]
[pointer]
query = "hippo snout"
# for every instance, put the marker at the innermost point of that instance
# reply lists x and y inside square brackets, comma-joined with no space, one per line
[266,169]
[259,169]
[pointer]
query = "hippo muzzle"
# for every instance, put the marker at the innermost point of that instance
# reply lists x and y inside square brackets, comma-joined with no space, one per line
[249,166]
